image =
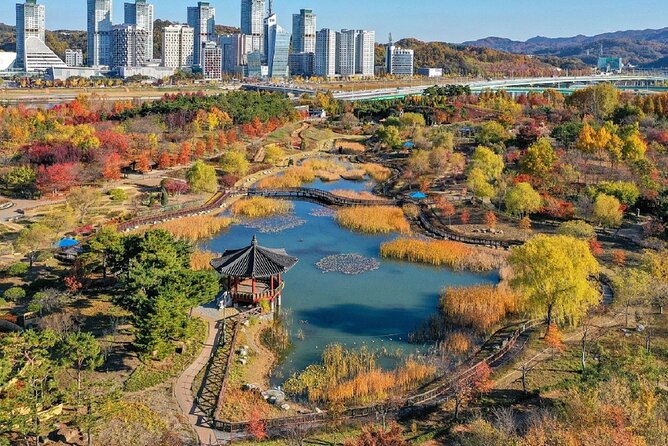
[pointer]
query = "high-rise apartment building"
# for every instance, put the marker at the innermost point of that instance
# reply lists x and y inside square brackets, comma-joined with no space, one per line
[99,32]
[346,50]
[128,46]
[366,53]
[325,53]
[30,22]
[303,31]
[252,23]
[212,60]
[202,18]
[399,61]
[178,46]
[141,14]
[278,49]
[73,58]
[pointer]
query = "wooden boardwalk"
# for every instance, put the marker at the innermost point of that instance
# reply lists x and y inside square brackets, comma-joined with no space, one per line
[310,194]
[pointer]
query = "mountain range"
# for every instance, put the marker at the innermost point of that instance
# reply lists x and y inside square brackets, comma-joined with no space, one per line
[644,48]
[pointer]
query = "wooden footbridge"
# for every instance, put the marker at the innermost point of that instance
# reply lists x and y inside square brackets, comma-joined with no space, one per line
[310,194]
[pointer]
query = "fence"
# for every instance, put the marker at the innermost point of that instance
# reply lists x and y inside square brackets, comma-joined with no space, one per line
[444,388]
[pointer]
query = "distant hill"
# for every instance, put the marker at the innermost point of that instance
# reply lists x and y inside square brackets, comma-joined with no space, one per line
[470,60]
[645,48]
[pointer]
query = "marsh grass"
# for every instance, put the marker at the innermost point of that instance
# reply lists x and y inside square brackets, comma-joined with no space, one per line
[377,172]
[373,219]
[354,175]
[455,255]
[196,227]
[201,260]
[260,207]
[480,308]
[363,195]
[292,177]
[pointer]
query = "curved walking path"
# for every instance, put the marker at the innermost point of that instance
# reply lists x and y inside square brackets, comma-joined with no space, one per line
[183,387]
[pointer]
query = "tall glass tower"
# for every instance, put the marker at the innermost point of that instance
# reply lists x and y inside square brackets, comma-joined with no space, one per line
[203,19]
[30,19]
[303,31]
[252,23]
[99,32]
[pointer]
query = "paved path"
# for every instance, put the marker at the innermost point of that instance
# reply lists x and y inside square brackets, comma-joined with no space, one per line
[183,386]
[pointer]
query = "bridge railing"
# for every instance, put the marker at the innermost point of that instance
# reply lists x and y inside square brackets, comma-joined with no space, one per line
[313,194]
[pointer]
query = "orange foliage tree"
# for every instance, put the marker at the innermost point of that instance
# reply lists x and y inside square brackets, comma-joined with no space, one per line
[257,428]
[112,167]
[185,153]
[554,339]
[490,219]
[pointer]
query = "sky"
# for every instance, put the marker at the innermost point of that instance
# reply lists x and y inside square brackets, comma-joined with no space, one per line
[441,20]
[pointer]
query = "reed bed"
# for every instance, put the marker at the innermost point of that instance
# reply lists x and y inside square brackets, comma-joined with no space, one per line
[457,343]
[362,195]
[293,177]
[201,260]
[196,227]
[373,219]
[478,307]
[352,376]
[327,176]
[455,255]
[260,207]
[324,165]
[354,175]
[377,172]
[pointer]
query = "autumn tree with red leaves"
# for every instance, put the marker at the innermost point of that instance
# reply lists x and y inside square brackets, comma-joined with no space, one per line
[257,428]
[112,167]
[58,177]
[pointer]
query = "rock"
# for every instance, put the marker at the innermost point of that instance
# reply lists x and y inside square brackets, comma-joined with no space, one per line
[285,406]
[317,410]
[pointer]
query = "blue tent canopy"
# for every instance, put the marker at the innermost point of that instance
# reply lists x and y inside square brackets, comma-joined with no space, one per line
[409,145]
[418,195]
[67,243]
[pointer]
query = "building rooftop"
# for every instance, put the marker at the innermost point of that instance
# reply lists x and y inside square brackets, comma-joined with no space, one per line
[254,262]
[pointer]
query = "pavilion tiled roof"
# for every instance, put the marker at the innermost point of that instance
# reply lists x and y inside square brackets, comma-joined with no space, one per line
[254,262]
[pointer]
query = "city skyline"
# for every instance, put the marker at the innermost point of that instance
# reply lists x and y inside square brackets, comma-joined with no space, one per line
[442,21]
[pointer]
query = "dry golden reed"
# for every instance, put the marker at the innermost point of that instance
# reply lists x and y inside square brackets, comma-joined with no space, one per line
[455,255]
[377,172]
[196,227]
[362,195]
[260,207]
[373,219]
[457,343]
[478,307]
[292,177]
[201,260]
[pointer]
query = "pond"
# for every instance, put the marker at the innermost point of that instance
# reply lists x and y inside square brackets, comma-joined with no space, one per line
[377,308]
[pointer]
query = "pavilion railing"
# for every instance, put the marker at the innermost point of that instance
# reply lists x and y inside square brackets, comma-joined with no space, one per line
[254,298]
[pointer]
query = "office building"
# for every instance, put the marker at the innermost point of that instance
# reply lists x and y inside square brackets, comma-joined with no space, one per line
[302,64]
[236,48]
[399,61]
[430,72]
[128,46]
[99,32]
[325,53]
[212,61]
[365,56]
[30,22]
[255,69]
[303,31]
[202,18]
[178,46]
[270,21]
[73,58]
[277,51]
[252,23]
[141,14]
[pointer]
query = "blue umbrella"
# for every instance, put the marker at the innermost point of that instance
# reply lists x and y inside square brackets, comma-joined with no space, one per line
[67,243]
[418,195]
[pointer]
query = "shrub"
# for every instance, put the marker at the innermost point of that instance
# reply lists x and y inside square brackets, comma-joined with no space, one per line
[18,269]
[118,194]
[34,307]
[478,307]
[411,211]
[618,257]
[373,219]
[14,294]
[260,207]
[578,229]
[627,193]
[228,180]
[455,255]
[196,227]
